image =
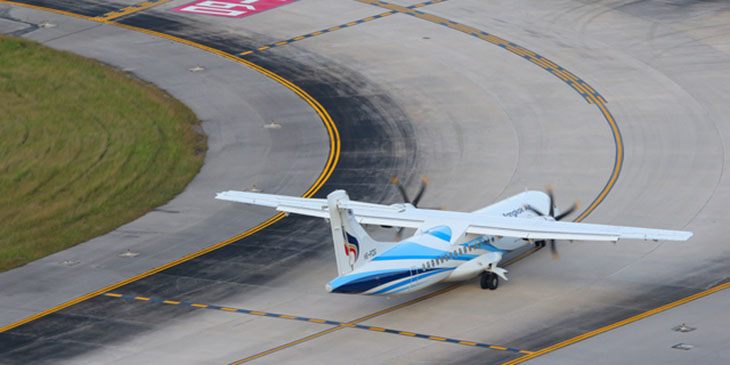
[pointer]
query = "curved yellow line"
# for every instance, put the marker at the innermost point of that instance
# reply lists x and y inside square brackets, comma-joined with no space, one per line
[619,324]
[332,159]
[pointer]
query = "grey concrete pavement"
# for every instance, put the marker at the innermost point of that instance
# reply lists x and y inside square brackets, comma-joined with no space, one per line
[233,101]
[654,340]
[488,124]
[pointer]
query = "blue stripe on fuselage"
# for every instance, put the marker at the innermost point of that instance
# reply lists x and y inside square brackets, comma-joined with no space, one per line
[372,279]
[367,281]
[419,276]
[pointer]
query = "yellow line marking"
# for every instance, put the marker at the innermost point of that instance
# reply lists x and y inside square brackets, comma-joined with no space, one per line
[299,38]
[620,323]
[368,19]
[113,295]
[558,74]
[288,345]
[281,43]
[386,14]
[497,347]
[245,53]
[141,298]
[332,160]
[348,24]
[316,33]
[199,305]
[532,54]
[132,9]
[619,159]
[541,62]
[333,29]
[580,89]
[315,320]
[568,75]
[587,87]
[264,48]
[494,39]
[537,62]
[517,50]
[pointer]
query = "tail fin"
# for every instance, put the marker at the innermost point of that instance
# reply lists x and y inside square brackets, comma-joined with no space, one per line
[353,246]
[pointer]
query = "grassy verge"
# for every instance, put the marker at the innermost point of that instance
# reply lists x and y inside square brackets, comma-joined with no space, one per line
[83,149]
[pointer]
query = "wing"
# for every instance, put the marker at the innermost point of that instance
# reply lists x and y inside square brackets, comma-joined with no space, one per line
[405,215]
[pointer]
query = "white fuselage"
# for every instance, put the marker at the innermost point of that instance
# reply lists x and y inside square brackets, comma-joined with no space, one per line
[443,252]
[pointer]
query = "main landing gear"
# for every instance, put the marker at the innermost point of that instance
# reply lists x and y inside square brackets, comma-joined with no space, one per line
[489,280]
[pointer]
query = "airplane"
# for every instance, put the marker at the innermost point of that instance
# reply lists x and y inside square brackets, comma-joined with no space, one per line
[447,245]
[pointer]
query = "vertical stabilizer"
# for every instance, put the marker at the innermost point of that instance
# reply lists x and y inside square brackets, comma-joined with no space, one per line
[353,246]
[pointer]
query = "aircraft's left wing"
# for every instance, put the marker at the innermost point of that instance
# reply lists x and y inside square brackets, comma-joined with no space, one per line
[365,213]
[405,215]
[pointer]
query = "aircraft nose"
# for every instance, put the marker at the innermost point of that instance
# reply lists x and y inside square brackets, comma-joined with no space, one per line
[328,286]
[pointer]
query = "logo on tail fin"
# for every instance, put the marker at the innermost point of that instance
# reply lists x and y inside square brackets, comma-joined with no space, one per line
[352,246]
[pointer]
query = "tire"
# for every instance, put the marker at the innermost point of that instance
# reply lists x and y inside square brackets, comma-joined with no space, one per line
[489,281]
[493,282]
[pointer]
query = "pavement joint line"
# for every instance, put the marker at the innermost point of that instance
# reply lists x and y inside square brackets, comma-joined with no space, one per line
[338,324]
[333,158]
[332,29]
[131,9]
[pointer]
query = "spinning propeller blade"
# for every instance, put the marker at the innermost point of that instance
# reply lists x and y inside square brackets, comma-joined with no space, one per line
[395,181]
[551,214]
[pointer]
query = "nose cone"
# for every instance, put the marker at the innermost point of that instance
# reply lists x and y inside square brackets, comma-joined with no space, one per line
[328,286]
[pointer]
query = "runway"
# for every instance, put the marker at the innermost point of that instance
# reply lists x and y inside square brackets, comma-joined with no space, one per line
[617,104]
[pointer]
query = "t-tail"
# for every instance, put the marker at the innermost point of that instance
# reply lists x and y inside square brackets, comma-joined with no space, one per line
[353,246]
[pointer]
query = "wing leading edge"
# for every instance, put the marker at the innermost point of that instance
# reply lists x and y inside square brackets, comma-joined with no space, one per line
[405,215]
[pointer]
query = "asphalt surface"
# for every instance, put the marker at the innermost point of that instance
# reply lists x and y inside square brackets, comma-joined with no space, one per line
[414,97]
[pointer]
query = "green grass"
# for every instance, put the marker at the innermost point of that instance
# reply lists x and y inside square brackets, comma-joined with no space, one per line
[83,149]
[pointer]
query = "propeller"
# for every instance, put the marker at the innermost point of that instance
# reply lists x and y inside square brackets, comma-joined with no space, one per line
[551,215]
[395,181]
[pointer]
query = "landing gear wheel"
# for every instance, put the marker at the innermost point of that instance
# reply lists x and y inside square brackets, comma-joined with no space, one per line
[489,280]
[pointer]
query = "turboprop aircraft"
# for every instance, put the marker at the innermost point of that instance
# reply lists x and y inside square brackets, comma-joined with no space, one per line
[447,246]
